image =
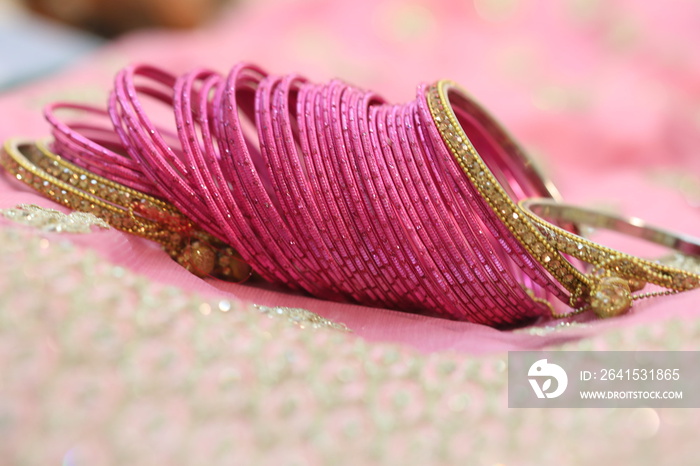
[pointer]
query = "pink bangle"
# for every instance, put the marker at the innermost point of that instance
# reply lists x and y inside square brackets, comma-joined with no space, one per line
[238,168]
[278,219]
[343,193]
[295,194]
[89,144]
[491,198]
[407,226]
[312,187]
[395,257]
[146,143]
[456,249]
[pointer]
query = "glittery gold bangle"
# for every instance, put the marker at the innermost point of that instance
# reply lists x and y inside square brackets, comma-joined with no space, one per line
[491,190]
[607,287]
[123,208]
[611,295]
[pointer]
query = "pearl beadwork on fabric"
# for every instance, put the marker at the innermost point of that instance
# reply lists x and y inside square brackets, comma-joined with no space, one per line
[51,220]
[101,366]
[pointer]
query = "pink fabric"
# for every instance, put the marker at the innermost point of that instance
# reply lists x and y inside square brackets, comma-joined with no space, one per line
[608,97]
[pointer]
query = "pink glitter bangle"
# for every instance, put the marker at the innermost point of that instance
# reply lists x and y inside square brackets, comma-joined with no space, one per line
[335,223]
[422,266]
[294,194]
[89,144]
[237,94]
[196,113]
[146,143]
[458,249]
[469,214]
[352,110]
[339,189]
[483,186]
[404,269]
[276,214]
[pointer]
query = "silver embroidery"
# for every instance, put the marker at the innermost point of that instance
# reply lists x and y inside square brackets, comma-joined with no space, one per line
[51,220]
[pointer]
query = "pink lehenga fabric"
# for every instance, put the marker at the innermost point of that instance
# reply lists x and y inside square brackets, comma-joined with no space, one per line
[605,101]
[604,94]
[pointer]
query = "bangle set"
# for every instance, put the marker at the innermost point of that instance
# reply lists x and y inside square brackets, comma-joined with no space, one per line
[122,208]
[423,207]
[609,295]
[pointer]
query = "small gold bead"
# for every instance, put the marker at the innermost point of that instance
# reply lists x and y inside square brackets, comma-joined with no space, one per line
[198,258]
[636,284]
[610,297]
[230,266]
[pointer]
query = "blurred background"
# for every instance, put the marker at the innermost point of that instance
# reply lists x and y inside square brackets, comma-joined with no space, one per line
[605,93]
[609,86]
[40,36]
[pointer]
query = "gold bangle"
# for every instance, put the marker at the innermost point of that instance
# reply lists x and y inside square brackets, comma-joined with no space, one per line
[123,208]
[616,275]
[490,189]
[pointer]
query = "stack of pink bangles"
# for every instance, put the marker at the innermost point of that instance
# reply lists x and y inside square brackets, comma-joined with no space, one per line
[425,207]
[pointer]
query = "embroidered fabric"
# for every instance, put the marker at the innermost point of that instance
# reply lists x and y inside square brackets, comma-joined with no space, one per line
[53,220]
[103,365]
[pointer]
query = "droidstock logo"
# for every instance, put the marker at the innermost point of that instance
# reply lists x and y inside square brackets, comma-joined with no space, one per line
[544,371]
